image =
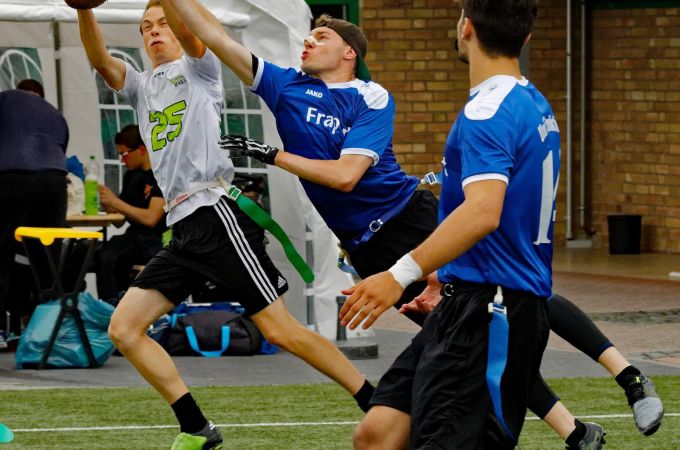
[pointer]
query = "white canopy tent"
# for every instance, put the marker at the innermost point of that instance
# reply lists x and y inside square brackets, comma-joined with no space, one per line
[271,29]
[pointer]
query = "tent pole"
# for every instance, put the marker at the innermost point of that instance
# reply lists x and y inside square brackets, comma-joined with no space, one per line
[309,247]
[584,154]
[569,231]
[56,39]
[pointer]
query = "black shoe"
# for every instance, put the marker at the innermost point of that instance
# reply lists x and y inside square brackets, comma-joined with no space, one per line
[646,404]
[594,438]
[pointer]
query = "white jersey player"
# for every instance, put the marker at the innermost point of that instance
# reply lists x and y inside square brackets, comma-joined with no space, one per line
[178,104]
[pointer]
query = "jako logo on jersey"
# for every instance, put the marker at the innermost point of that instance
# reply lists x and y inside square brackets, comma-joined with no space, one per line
[328,121]
[314,93]
[178,80]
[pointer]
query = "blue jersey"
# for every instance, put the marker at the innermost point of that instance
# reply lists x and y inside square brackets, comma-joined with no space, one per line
[507,132]
[324,121]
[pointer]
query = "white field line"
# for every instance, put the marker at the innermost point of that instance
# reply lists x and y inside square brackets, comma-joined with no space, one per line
[266,424]
[155,427]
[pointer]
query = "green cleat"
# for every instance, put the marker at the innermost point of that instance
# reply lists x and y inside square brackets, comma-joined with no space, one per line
[209,438]
[185,441]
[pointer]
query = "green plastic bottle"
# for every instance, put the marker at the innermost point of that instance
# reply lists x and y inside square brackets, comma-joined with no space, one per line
[92,187]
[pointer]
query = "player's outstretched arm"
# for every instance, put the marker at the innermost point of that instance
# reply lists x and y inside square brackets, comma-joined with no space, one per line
[110,68]
[341,174]
[209,30]
[476,217]
[191,44]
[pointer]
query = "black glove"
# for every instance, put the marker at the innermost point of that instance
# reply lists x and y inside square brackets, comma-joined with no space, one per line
[240,146]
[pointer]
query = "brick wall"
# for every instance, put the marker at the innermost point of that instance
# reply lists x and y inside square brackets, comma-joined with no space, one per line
[633,126]
[411,54]
[633,115]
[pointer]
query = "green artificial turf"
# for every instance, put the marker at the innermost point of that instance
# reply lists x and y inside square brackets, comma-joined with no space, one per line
[284,417]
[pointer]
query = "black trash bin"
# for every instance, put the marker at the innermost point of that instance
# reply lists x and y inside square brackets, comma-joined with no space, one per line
[625,232]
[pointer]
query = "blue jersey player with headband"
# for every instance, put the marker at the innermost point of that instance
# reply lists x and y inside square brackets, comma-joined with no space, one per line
[336,126]
[328,121]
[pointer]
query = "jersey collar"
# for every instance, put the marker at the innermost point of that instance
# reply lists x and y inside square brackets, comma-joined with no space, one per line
[496,78]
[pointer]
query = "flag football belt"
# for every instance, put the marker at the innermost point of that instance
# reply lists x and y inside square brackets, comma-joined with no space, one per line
[257,214]
[499,331]
[432,178]
[342,265]
[497,356]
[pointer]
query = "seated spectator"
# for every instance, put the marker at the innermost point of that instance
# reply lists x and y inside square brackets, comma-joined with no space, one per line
[141,202]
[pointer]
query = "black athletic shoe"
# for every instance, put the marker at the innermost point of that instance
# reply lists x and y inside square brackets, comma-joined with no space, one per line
[646,404]
[594,438]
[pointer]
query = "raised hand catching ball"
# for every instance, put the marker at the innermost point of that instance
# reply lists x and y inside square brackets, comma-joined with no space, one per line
[84,4]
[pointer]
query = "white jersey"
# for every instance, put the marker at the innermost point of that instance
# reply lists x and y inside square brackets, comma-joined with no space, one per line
[179,106]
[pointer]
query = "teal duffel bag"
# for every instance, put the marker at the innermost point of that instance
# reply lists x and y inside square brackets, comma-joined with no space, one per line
[68,350]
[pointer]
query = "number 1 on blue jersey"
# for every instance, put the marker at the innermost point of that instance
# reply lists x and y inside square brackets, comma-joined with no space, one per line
[548,195]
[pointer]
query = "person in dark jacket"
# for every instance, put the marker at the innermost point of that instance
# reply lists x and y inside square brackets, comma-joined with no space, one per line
[33,140]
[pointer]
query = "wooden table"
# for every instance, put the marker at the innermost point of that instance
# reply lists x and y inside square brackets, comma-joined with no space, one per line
[99,220]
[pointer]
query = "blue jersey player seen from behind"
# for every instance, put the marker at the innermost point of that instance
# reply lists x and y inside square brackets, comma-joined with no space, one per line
[336,128]
[493,246]
[506,131]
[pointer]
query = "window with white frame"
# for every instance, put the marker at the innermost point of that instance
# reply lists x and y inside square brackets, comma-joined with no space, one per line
[242,114]
[17,64]
[115,114]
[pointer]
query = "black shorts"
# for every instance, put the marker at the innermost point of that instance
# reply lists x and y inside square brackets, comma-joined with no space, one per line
[221,244]
[398,236]
[440,379]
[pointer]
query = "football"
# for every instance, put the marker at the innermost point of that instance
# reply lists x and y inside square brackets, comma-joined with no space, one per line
[84,4]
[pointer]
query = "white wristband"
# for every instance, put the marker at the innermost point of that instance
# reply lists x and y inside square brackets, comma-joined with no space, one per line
[406,270]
